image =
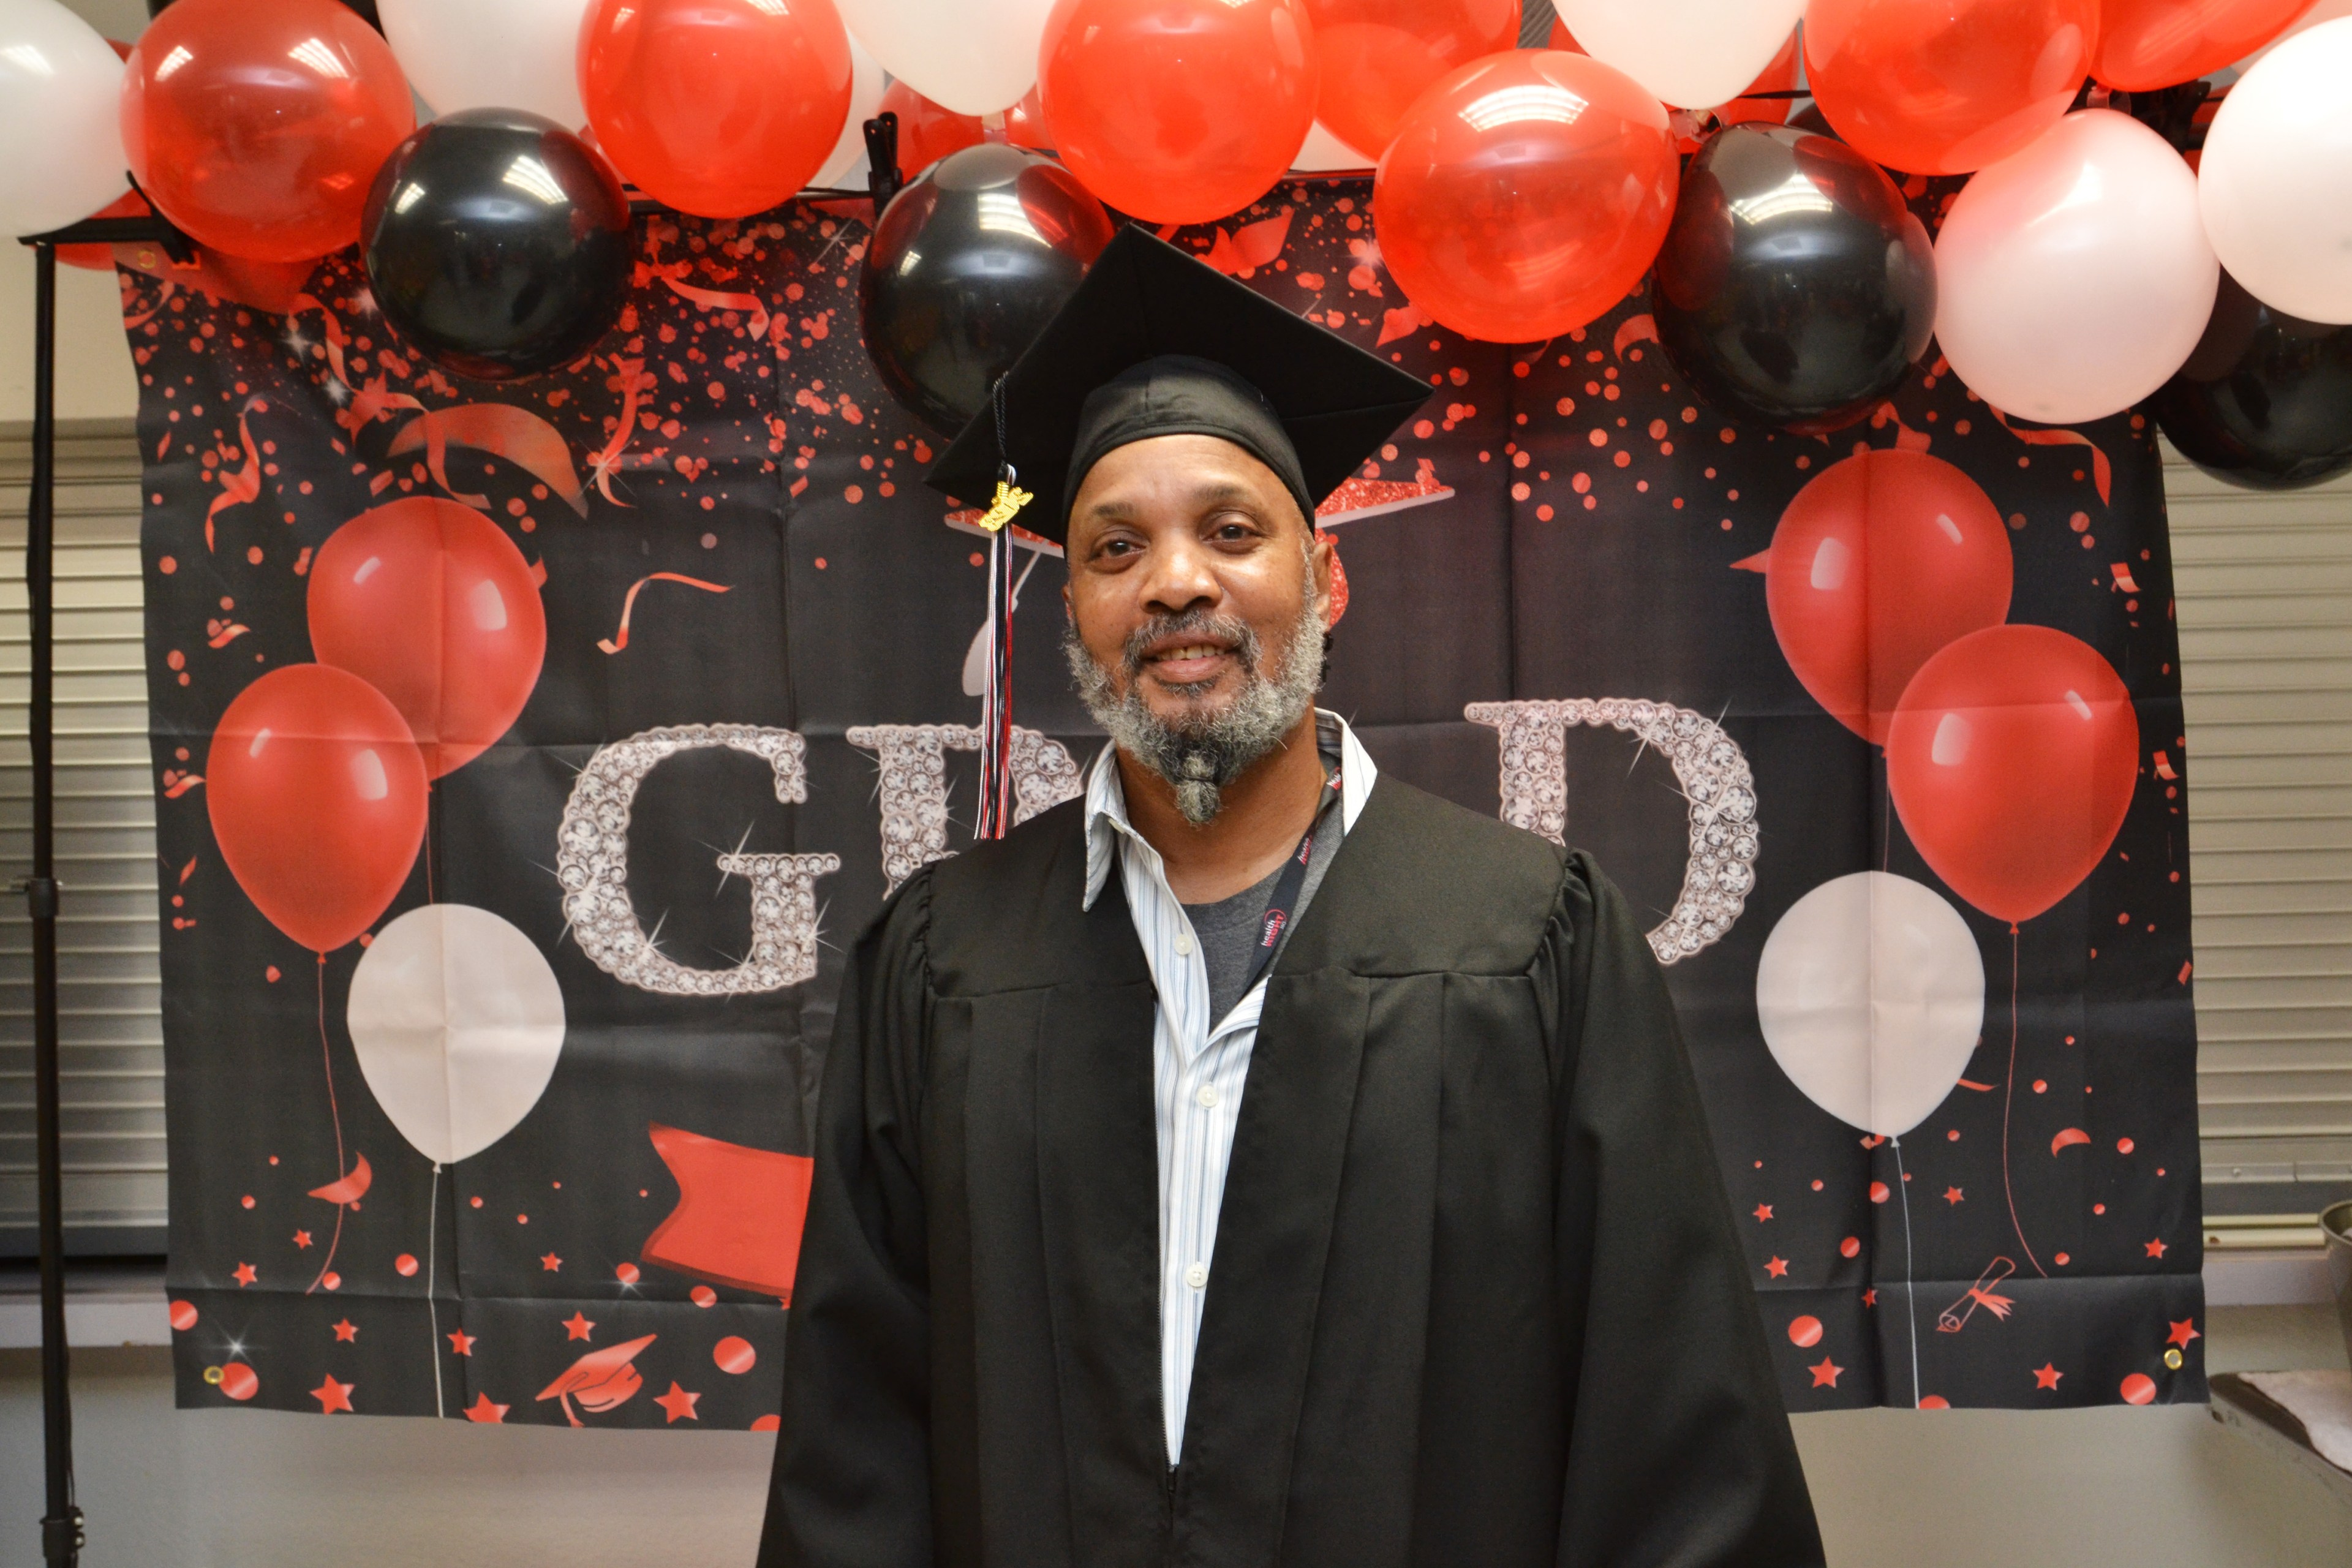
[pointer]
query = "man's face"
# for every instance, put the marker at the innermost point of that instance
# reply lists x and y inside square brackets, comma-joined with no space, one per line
[1187,559]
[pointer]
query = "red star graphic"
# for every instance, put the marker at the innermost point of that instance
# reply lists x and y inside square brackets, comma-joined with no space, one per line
[483,1410]
[332,1396]
[302,1238]
[1870,1296]
[679,1403]
[462,1343]
[550,1262]
[2183,1332]
[1826,1374]
[244,1274]
[346,1331]
[1953,1196]
[2047,1376]
[2156,1249]
[1777,1267]
[1763,1213]
[576,1326]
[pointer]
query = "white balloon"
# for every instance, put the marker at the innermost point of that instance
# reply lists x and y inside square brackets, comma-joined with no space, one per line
[2073,278]
[1694,54]
[974,57]
[490,53]
[60,142]
[2275,182]
[456,1020]
[867,82]
[1871,993]
[1322,151]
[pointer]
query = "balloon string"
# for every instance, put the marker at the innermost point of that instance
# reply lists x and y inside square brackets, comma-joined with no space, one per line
[432,1266]
[327,1055]
[1910,1308]
[2007,1097]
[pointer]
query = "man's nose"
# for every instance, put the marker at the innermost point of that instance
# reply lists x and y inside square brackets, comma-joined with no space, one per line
[1180,577]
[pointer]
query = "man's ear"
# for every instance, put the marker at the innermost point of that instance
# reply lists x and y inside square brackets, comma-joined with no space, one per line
[1319,554]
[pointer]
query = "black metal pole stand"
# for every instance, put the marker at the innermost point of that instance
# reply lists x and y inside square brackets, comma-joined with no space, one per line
[61,1534]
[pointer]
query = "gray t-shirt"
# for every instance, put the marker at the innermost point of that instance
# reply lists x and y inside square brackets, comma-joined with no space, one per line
[1228,929]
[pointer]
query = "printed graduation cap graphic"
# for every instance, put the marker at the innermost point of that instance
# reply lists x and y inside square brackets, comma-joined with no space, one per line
[1143,300]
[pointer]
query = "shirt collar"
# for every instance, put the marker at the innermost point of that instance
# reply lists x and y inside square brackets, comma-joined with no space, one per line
[1107,821]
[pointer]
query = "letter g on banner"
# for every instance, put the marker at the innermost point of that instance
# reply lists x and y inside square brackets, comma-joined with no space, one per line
[1709,766]
[591,862]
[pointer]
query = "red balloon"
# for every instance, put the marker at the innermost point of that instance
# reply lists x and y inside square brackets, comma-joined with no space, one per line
[1780,76]
[1880,562]
[1945,87]
[719,108]
[1024,123]
[258,125]
[317,795]
[431,604]
[271,286]
[927,132]
[2146,44]
[1381,55]
[2012,760]
[1178,111]
[1525,193]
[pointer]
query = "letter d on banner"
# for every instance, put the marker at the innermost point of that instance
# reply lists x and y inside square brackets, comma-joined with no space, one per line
[1707,764]
[592,862]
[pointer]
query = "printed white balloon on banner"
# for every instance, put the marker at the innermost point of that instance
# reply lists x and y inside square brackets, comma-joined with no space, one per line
[490,53]
[867,82]
[1694,54]
[975,56]
[456,1020]
[2276,181]
[2074,276]
[60,137]
[1871,994]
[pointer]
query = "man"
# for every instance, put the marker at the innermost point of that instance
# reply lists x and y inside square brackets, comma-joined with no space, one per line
[1129,1246]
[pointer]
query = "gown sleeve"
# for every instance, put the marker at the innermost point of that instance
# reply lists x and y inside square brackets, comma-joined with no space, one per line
[852,1484]
[1679,1451]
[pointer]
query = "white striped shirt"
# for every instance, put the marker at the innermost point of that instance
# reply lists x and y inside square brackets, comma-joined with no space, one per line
[1199,1065]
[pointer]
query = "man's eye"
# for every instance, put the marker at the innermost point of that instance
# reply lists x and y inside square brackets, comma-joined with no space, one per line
[1234,530]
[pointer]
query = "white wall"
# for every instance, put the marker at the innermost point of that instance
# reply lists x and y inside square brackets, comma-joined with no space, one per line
[2087,1489]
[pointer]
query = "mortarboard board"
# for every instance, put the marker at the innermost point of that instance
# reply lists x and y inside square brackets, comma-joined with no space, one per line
[1145,300]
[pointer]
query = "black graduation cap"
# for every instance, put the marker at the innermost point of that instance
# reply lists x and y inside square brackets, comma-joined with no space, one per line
[1143,301]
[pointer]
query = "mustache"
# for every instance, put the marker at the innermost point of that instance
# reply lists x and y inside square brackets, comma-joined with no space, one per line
[1192,623]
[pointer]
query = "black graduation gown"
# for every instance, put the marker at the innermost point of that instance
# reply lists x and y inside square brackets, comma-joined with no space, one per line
[1475,1298]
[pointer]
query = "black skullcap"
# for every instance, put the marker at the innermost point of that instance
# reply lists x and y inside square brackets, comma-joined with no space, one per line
[1156,343]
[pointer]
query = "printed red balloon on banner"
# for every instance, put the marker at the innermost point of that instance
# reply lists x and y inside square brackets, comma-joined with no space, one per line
[1525,195]
[1945,87]
[2147,44]
[1178,111]
[927,132]
[1381,55]
[2012,760]
[719,108]
[1881,561]
[317,795]
[255,125]
[431,604]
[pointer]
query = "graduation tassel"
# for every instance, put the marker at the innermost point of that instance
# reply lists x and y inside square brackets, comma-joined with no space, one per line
[996,698]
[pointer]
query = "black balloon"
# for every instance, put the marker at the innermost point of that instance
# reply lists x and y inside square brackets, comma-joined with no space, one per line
[498,244]
[966,266]
[1794,286]
[2265,400]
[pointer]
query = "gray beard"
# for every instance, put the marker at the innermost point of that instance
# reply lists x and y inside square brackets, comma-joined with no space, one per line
[1200,756]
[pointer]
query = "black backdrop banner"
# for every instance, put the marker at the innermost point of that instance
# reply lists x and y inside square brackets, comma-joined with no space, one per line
[753,718]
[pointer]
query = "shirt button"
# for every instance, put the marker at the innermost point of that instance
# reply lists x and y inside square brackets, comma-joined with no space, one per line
[1184,946]
[1197,1275]
[1208,1096]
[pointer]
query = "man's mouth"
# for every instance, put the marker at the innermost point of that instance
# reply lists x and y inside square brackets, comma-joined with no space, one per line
[1186,663]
